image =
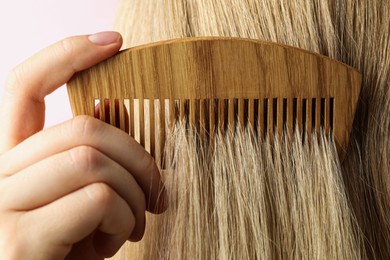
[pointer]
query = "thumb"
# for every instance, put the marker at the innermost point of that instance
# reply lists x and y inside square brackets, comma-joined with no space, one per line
[22,111]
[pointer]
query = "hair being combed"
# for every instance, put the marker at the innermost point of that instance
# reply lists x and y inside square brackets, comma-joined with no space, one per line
[243,198]
[247,198]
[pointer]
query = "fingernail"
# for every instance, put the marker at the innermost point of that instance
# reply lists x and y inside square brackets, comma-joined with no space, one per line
[104,38]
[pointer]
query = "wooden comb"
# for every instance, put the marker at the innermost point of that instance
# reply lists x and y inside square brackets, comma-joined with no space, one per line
[219,83]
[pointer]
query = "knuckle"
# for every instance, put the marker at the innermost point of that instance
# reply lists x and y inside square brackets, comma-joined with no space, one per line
[14,79]
[84,126]
[68,46]
[85,158]
[101,194]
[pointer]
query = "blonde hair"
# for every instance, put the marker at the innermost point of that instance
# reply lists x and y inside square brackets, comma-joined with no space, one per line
[242,197]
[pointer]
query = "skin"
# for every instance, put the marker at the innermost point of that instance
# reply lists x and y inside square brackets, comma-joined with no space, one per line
[78,190]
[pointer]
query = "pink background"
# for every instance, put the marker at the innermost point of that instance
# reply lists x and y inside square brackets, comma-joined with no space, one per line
[27,26]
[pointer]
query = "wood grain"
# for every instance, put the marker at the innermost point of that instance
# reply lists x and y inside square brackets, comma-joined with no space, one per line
[275,85]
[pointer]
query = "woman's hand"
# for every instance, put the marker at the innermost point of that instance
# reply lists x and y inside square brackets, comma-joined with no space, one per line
[77,190]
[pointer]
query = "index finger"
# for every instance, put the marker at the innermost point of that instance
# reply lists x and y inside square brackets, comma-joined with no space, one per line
[22,111]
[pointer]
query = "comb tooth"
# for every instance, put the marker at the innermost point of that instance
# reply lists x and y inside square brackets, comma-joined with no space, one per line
[241,112]
[284,113]
[251,113]
[309,116]
[109,111]
[182,104]
[131,117]
[126,108]
[118,118]
[89,107]
[270,116]
[246,112]
[172,113]
[295,114]
[93,110]
[102,110]
[324,114]
[126,112]
[152,129]
[121,116]
[256,115]
[126,115]
[280,115]
[168,119]
[324,121]
[231,113]
[212,108]
[226,112]
[160,130]
[318,115]
[331,113]
[112,112]
[198,106]
[289,115]
[304,119]
[221,116]
[167,109]
[117,103]
[274,118]
[202,118]
[177,111]
[136,121]
[193,113]
[141,106]
[263,120]
[317,108]
[147,124]
[299,114]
